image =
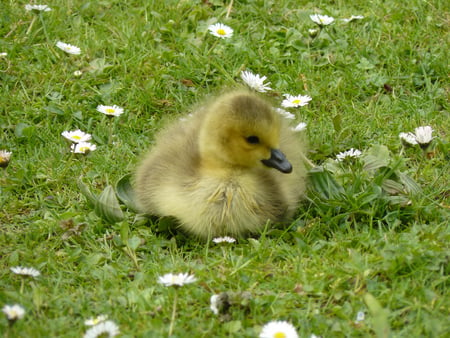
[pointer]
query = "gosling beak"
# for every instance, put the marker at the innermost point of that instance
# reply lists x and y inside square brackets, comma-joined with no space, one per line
[278,161]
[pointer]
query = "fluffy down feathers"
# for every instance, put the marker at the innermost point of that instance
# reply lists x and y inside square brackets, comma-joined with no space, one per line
[228,169]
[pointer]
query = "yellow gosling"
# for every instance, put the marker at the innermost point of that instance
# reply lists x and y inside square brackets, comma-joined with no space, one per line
[228,169]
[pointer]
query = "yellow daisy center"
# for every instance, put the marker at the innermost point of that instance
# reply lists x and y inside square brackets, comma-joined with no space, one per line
[110,111]
[296,101]
[279,335]
[221,31]
[84,149]
[76,137]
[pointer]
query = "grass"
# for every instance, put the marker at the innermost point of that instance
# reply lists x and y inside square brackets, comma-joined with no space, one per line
[356,245]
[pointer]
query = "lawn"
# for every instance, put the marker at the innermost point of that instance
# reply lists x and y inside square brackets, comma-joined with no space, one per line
[368,252]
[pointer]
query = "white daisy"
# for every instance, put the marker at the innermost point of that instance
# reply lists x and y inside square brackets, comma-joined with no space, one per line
[220,30]
[225,239]
[424,135]
[353,17]
[322,20]
[180,279]
[278,329]
[108,328]
[82,148]
[349,153]
[3,54]
[360,316]
[110,110]
[76,136]
[40,8]
[96,320]
[300,127]
[408,138]
[77,73]
[19,270]
[70,49]
[214,304]
[295,101]
[13,312]
[313,32]
[285,114]
[5,157]
[255,81]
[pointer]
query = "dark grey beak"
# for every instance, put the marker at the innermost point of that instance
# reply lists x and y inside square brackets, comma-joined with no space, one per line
[278,161]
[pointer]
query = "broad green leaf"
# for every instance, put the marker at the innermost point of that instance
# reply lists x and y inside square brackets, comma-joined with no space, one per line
[393,187]
[323,182]
[134,242]
[376,157]
[125,192]
[91,198]
[107,206]
[410,184]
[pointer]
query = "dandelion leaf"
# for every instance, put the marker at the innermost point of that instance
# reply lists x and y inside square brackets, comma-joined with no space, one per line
[107,206]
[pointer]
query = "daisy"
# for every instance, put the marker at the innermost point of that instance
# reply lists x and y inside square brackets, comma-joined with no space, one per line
[108,328]
[360,316]
[349,153]
[278,329]
[313,32]
[70,49]
[39,8]
[285,114]
[300,127]
[255,81]
[76,136]
[225,239]
[322,20]
[214,304]
[13,312]
[424,135]
[353,17]
[221,31]
[181,279]
[19,270]
[110,110]
[96,320]
[295,101]
[3,54]
[82,148]
[77,73]
[408,138]
[5,157]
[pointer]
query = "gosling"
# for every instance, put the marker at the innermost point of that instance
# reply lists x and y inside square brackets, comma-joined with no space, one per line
[227,170]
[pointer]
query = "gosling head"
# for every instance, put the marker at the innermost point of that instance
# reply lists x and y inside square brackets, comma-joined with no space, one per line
[242,130]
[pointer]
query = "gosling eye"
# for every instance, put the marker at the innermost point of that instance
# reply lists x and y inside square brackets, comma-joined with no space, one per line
[252,139]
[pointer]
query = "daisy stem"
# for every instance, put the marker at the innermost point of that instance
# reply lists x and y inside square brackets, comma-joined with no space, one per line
[331,35]
[43,27]
[230,6]
[174,312]
[212,47]
[22,286]
[308,162]
[31,25]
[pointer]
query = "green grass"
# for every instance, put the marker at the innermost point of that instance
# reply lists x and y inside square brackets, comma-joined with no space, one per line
[369,80]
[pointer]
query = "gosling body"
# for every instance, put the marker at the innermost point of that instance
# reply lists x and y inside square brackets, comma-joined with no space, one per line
[228,169]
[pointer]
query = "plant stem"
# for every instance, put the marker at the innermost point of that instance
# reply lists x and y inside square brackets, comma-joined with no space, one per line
[174,312]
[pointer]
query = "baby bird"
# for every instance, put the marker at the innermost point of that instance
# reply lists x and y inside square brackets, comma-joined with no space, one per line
[226,170]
